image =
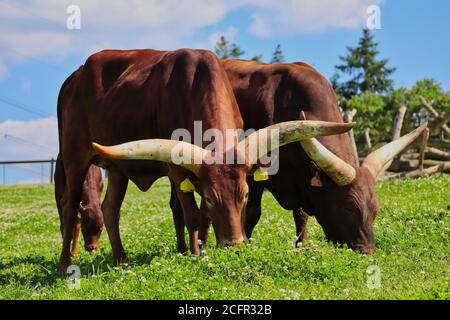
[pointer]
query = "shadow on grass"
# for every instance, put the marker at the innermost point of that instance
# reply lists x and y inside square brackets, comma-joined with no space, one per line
[32,270]
[38,270]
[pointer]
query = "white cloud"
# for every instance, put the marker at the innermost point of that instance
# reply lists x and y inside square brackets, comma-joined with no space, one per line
[37,28]
[275,18]
[230,33]
[29,140]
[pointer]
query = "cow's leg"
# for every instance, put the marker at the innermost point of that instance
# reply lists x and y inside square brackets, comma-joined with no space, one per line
[191,217]
[60,186]
[253,212]
[178,219]
[301,220]
[205,223]
[76,236]
[191,213]
[70,200]
[115,193]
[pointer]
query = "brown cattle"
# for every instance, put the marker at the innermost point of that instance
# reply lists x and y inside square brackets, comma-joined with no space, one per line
[121,96]
[91,216]
[322,178]
[90,220]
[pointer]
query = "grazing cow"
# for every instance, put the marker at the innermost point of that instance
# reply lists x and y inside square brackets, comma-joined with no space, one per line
[120,96]
[322,178]
[90,221]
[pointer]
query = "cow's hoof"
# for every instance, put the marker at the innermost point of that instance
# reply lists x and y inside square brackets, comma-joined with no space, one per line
[203,245]
[74,254]
[121,261]
[302,237]
[62,268]
[182,249]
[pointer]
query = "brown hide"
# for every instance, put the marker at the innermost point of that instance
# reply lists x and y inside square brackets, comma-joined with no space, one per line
[120,96]
[272,93]
[90,220]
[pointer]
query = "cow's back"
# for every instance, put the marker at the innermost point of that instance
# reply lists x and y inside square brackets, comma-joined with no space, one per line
[119,96]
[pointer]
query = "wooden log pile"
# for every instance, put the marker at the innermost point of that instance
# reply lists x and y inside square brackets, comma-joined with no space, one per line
[428,155]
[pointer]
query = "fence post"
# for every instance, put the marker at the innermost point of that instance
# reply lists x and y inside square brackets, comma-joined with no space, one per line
[348,117]
[51,170]
[367,137]
[423,147]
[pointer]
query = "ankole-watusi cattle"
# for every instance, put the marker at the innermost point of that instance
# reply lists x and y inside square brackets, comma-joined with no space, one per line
[90,219]
[320,177]
[129,96]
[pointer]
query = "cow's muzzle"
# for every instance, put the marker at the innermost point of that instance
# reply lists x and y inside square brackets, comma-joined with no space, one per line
[232,243]
[91,248]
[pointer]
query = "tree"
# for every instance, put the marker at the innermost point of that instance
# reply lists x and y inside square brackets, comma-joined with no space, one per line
[257,58]
[371,113]
[277,56]
[225,50]
[377,112]
[430,89]
[367,74]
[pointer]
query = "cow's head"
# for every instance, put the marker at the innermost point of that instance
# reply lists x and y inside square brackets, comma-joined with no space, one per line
[223,186]
[91,225]
[345,205]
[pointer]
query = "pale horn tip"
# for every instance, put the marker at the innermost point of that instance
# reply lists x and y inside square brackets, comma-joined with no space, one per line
[102,150]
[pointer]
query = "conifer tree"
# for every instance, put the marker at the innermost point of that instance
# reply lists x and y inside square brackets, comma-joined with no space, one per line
[366,73]
[277,56]
[225,50]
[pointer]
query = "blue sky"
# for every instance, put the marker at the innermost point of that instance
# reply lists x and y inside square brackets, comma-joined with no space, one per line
[37,51]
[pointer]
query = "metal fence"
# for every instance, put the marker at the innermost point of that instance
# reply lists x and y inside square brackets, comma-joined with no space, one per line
[25,168]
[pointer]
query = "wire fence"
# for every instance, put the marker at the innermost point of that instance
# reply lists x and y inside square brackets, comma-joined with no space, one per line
[27,171]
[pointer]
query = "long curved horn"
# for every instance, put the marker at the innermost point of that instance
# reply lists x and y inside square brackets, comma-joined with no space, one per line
[337,169]
[261,142]
[181,153]
[376,160]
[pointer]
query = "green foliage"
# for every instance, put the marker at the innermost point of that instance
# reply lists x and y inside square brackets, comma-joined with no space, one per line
[365,71]
[225,50]
[371,113]
[412,237]
[378,112]
[277,56]
[369,91]
[257,58]
[427,88]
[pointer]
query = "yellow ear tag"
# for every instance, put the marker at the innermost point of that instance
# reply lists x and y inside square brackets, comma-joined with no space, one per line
[260,175]
[187,186]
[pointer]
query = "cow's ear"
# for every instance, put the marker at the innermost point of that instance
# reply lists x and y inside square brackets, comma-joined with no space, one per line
[315,172]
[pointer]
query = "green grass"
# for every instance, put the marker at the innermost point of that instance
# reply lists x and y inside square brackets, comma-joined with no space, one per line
[412,237]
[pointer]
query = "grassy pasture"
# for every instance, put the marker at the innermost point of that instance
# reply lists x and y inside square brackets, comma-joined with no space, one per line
[412,236]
